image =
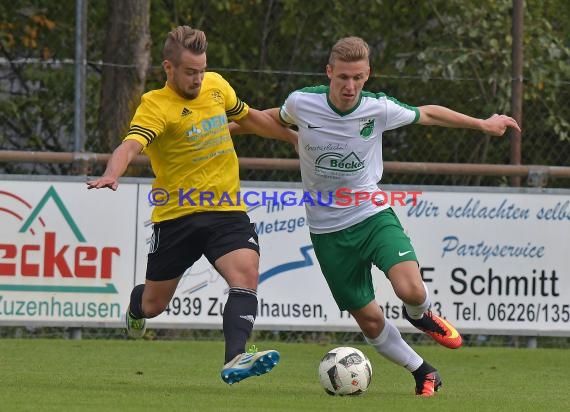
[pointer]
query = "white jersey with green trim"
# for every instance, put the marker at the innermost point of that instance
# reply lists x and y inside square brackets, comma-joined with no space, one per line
[341,153]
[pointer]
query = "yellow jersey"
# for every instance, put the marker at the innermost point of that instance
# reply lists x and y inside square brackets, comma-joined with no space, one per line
[190,148]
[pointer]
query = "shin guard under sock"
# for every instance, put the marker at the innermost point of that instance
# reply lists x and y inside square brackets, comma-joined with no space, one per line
[239,316]
[135,306]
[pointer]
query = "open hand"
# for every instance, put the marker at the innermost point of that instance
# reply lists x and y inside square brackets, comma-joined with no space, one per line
[102,182]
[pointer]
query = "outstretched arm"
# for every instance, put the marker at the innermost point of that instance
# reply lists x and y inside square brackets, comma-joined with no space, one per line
[116,166]
[495,125]
[265,124]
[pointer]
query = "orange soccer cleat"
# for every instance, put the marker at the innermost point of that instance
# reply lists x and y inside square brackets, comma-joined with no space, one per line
[439,329]
[428,384]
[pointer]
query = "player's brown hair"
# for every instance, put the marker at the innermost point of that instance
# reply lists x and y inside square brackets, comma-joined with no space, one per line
[349,49]
[183,37]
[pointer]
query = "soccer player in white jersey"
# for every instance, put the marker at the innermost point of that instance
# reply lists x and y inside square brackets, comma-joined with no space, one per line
[340,130]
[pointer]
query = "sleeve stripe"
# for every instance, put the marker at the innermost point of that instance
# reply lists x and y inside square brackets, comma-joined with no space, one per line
[407,106]
[417,117]
[399,103]
[285,122]
[236,109]
[148,134]
[144,129]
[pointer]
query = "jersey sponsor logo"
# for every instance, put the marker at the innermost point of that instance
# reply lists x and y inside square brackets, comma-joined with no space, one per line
[185,112]
[312,126]
[338,162]
[366,127]
[324,148]
[404,253]
[213,128]
[193,132]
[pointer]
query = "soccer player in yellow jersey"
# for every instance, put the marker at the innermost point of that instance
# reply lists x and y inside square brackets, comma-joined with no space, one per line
[183,128]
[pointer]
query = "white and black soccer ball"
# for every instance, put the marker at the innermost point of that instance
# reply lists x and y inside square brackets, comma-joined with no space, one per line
[345,371]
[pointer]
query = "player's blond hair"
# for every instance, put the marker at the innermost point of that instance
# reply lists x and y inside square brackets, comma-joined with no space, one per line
[349,49]
[183,37]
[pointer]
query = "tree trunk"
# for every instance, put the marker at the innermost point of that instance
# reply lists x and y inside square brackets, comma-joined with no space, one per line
[126,60]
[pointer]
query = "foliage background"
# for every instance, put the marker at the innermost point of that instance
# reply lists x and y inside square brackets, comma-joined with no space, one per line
[455,53]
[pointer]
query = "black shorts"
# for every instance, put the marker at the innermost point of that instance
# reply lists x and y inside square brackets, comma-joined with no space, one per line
[176,244]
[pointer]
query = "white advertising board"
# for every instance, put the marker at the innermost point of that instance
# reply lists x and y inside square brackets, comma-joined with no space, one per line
[495,260]
[66,253]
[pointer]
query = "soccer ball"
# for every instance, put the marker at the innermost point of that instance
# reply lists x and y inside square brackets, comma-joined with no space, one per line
[345,371]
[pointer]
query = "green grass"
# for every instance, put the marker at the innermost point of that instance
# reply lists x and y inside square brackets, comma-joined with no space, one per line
[121,375]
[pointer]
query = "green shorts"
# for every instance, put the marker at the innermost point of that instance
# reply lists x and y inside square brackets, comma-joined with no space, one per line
[346,256]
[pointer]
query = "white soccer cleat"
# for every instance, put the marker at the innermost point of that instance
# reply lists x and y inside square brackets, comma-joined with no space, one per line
[249,364]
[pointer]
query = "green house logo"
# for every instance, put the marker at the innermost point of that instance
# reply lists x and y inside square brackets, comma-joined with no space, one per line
[52,194]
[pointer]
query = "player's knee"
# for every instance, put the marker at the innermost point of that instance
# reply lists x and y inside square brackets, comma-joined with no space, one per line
[412,294]
[245,278]
[371,328]
[252,278]
[250,270]
[371,325]
[419,293]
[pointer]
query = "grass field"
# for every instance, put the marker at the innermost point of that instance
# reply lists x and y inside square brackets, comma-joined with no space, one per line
[121,375]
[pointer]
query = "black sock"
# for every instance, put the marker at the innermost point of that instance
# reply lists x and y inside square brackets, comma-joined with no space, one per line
[423,370]
[135,307]
[239,317]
